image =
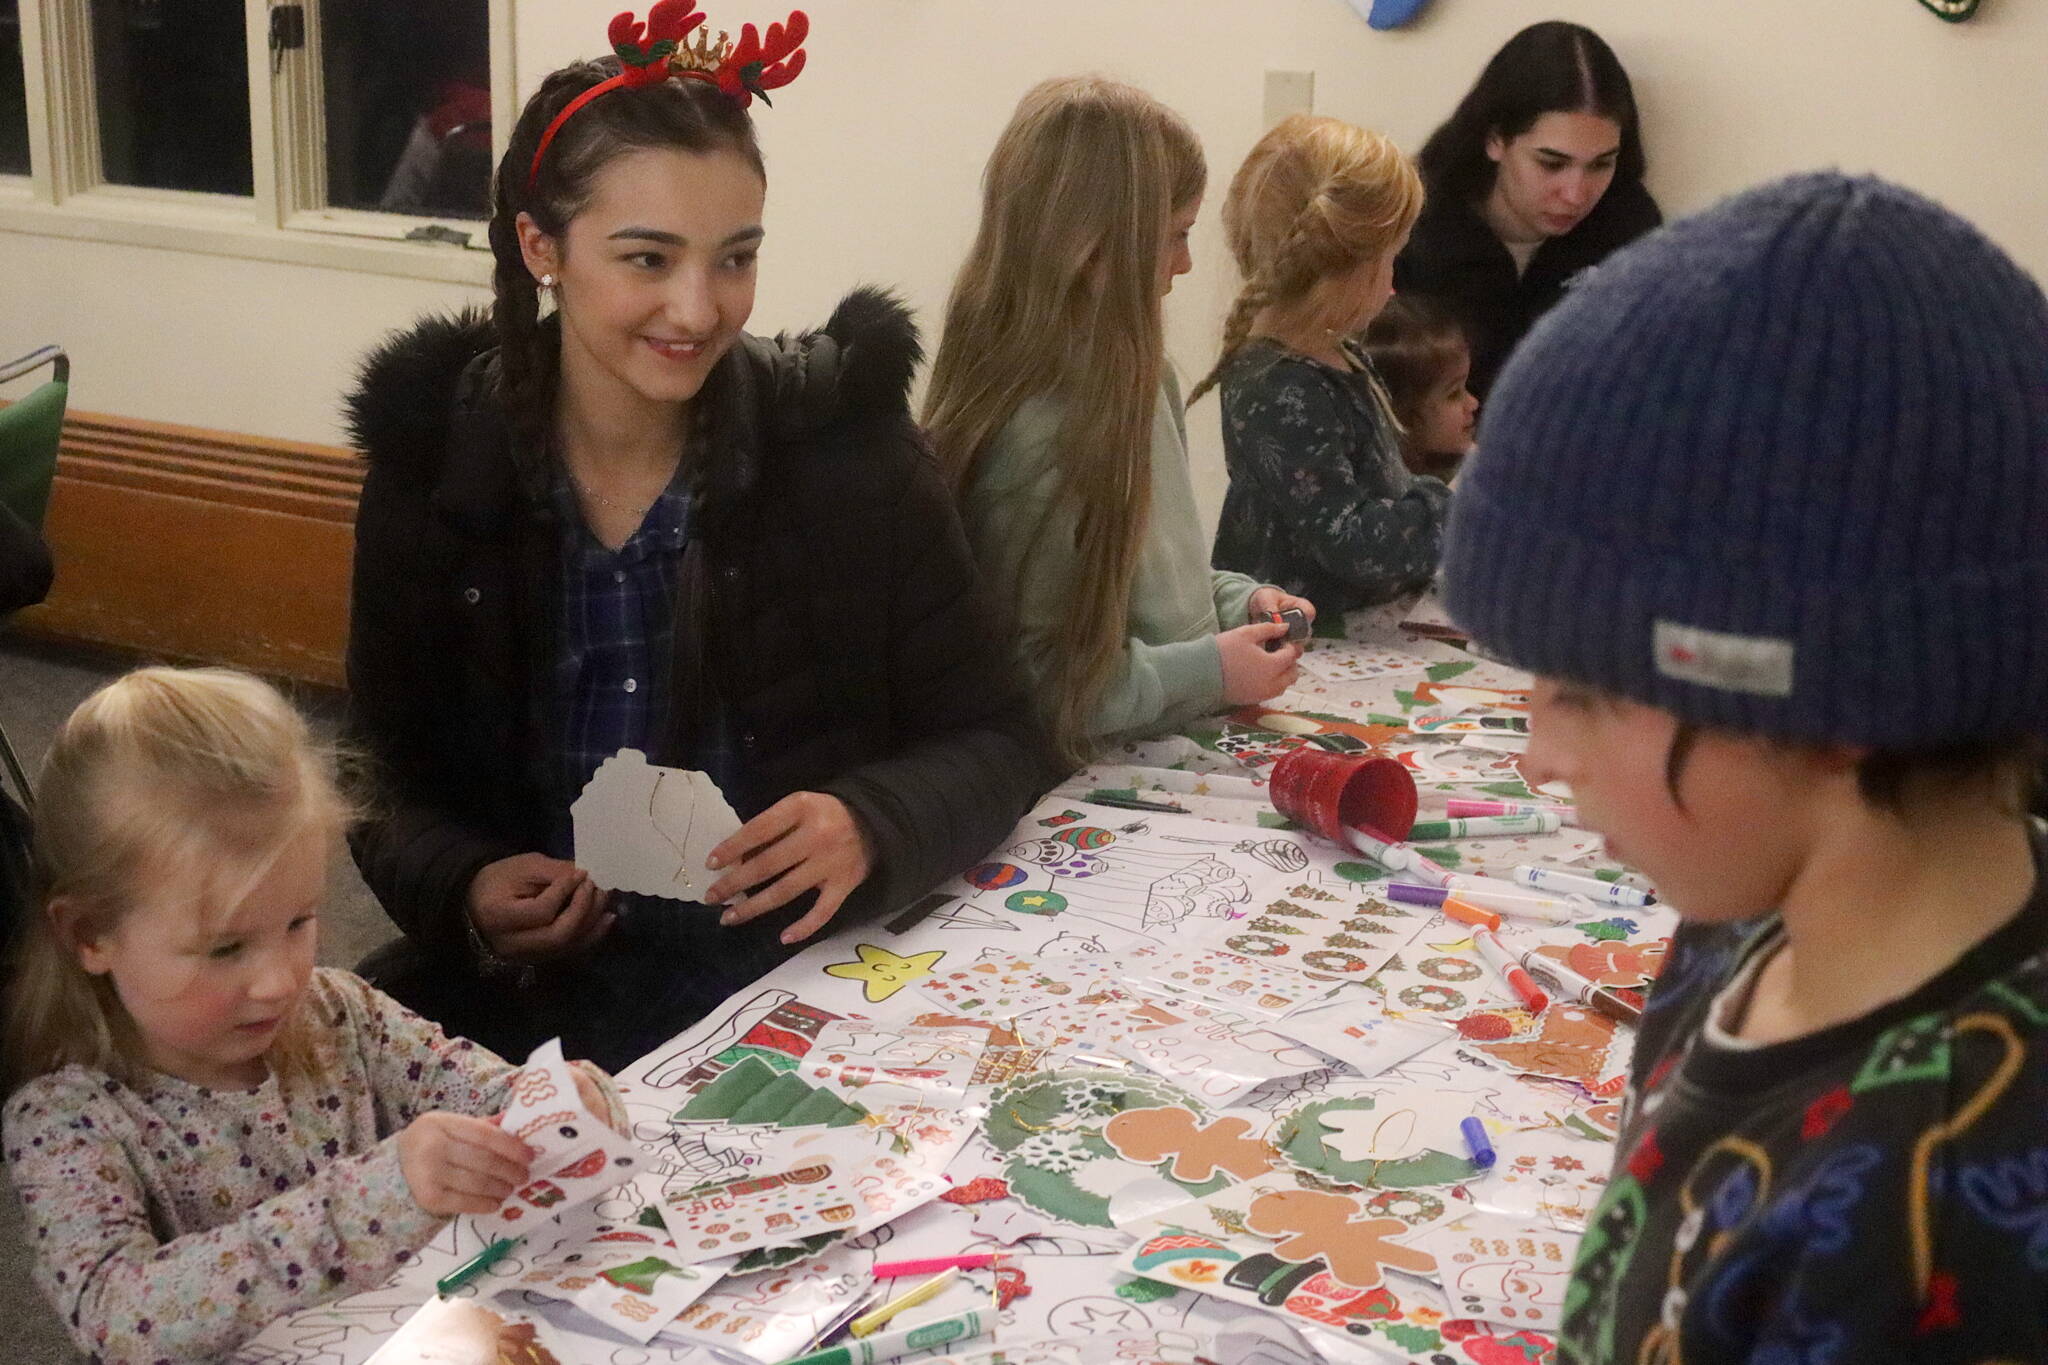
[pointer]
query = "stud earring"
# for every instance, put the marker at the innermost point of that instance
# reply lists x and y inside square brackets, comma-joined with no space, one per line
[547,281]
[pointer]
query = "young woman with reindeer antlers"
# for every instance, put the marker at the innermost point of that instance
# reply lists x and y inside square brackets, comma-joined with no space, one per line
[629,524]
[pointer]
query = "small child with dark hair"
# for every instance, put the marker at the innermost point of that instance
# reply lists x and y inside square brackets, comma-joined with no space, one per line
[1760,504]
[1421,355]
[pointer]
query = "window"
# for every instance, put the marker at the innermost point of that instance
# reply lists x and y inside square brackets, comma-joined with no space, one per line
[13,93]
[171,79]
[407,90]
[325,132]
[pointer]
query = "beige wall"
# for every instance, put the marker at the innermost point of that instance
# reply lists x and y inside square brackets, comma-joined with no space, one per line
[875,154]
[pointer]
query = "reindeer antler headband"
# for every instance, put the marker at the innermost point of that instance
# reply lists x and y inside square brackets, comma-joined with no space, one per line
[653,51]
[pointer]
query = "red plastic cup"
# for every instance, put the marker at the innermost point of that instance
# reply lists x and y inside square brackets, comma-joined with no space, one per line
[1331,792]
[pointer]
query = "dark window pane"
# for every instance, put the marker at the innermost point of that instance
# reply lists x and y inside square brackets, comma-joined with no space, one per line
[173,79]
[408,105]
[13,93]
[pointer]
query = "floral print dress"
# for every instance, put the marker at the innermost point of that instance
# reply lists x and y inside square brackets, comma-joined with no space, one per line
[171,1222]
[1319,502]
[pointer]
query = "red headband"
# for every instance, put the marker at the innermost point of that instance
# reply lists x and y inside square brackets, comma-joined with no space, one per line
[654,51]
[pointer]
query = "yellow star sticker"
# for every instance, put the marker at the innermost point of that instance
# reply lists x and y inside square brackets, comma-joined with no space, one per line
[884,973]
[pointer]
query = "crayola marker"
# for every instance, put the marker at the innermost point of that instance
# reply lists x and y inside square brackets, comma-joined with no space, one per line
[1495,954]
[1458,808]
[1579,884]
[1483,826]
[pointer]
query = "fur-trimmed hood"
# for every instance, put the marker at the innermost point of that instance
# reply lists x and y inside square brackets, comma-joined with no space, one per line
[431,389]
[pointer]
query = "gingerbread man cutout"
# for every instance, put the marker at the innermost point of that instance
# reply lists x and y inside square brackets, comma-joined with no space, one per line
[1319,1224]
[1619,966]
[1152,1135]
[1572,1045]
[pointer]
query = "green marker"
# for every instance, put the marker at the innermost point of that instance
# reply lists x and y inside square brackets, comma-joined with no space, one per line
[475,1266]
[889,1345]
[1480,826]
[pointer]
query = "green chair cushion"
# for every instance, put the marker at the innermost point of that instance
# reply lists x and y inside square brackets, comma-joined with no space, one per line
[29,434]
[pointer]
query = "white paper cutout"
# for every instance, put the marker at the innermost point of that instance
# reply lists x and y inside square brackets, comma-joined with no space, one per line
[644,828]
[1381,1135]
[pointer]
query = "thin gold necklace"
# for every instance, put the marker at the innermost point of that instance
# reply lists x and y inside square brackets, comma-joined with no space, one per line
[587,491]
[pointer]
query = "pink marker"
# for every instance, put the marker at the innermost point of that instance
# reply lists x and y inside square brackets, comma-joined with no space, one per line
[1495,954]
[1459,809]
[1392,853]
[936,1265]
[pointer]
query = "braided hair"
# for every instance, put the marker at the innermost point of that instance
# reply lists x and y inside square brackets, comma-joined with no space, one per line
[685,115]
[1316,197]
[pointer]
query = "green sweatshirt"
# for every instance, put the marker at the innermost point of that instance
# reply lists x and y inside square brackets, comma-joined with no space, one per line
[1022,531]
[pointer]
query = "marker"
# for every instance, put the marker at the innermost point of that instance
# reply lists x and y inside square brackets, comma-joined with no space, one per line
[1578,883]
[1496,956]
[475,1265]
[1458,807]
[1470,725]
[874,1322]
[1476,1139]
[1126,803]
[890,1345]
[1486,826]
[1502,898]
[1505,898]
[1465,912]
[896,1270]
[1393,854]
[1564,981]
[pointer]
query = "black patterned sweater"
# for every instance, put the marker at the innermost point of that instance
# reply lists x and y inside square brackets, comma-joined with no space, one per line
[1319,502]
[1876,1191]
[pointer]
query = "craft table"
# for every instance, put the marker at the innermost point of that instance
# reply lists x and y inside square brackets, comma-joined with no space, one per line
[1070,979]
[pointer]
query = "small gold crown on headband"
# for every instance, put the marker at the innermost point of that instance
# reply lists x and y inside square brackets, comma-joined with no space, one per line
[702,55]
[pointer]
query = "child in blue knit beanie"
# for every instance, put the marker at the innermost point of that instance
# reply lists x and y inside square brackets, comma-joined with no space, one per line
[1763,504]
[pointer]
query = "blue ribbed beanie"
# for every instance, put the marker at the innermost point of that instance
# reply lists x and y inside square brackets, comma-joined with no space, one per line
[1780,468]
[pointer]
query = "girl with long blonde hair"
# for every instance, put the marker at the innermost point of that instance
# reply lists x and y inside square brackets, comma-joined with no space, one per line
[1057,419]
[1319,499]
[207,1131]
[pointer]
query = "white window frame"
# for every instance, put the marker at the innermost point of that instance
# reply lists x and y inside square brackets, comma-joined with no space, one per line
[286,219]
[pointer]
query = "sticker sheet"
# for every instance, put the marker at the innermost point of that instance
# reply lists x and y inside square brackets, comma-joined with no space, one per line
[1501,1270]
[1339,1260]
[819,1180]
[1242,983]
[577,1156]
[623,1272]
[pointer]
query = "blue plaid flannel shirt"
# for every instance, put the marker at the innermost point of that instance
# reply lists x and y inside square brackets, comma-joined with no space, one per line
[617,639]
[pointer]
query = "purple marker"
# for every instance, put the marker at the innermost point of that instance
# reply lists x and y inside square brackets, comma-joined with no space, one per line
[1411,894]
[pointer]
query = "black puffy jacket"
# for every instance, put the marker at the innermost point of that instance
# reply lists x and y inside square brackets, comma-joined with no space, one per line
[827,594]
[1454,258]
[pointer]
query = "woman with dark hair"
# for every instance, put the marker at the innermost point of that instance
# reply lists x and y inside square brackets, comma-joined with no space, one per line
[1536,175]
[606,517]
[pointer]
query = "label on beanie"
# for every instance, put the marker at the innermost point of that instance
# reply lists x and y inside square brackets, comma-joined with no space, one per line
[1714,658]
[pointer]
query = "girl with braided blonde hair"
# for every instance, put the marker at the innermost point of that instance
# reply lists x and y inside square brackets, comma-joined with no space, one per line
[1319,502]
